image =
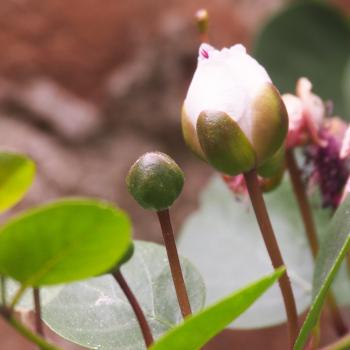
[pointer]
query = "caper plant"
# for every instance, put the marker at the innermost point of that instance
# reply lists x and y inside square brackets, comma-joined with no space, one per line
[74,263]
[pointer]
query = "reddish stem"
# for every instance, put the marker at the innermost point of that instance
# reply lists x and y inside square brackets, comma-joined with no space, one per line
[303,202]
[311,232]
[145,329]
[271,244]
[174,262]
[37,308]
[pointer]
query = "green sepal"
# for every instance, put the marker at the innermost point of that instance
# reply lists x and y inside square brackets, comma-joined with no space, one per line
[274,165]
[269,123]
[223,142]
[155,181]
[269,184]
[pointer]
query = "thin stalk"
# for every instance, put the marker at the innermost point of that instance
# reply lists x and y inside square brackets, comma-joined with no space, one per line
[303,202]
[18,296]
[3,290]
[271,244]
[27,333]
[37,309]
[311,232]
[174,262]
[341,344]
[145,329]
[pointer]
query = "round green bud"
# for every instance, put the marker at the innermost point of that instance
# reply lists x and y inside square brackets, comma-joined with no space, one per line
[155,181]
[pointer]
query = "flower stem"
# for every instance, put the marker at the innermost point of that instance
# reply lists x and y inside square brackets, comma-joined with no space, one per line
[174,262]
[274,251]
[37,308]
[27,333]
[303,202]
[311,232]
[341,344]
[145,329]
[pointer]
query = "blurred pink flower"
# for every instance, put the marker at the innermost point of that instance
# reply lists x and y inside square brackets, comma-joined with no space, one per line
[329,167]
[306,112]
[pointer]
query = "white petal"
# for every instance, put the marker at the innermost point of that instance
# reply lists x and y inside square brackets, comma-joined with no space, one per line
[205,50]
[228,81]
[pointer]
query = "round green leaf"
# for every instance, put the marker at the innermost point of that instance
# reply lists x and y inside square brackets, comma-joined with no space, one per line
[96,314]
[224,242]
[64,241]
[16,176]
[308,39]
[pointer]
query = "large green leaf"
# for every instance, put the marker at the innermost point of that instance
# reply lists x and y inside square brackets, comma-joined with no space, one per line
[224,242]
[64,241]
[198,329]
[308,39]
[333,249]
[16,176]
[96,314]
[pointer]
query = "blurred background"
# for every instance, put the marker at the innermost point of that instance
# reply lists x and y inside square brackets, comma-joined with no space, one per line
[87,86]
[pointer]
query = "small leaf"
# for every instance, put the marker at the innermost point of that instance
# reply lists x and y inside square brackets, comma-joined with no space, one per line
[96,314]
[16,176]
[64,241]
[333,249]
[317,48]
[198,329]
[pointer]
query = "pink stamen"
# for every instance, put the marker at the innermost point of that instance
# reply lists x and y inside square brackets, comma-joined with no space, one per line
[204,53]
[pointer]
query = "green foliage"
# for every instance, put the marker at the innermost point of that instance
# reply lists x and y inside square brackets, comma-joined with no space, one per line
[64,241]
[333,249]
[308,39]
[223,235]
[96,314]
[198,329]
[223,240]
[16,176]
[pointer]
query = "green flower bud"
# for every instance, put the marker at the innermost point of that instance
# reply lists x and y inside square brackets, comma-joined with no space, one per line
[226,147]
[230,84]
[155,181]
